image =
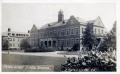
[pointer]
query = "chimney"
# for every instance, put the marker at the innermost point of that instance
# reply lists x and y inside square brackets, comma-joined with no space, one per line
[28,31]
[9,29]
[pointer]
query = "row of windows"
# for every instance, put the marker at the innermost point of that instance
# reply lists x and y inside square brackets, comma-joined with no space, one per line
[96,31]
[99,31]
[68,42]
[12,34]
[14,39]
[64,32]
[13,44]
[64,42]
[61,32]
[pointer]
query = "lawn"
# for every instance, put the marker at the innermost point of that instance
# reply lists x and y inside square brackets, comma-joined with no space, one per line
[12,59]
[68,53]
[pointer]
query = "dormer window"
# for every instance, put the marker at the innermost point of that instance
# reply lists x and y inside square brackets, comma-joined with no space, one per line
[49,25]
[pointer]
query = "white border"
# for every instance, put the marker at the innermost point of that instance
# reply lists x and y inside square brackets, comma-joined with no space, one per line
[72,1]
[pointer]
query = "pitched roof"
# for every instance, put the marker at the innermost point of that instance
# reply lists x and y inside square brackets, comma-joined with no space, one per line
[53,24]
[6,33]
[80,20]
[91,21]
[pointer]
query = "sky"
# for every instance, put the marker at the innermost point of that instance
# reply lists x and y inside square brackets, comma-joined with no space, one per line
[20,17]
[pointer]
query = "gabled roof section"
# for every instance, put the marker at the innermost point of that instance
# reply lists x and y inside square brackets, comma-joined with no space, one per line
[34,28]
[78,19]
[98,22]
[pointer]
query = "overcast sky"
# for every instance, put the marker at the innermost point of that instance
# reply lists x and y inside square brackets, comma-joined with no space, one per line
[21,17]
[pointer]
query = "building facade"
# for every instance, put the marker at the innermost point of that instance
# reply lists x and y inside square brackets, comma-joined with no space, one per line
[64,32]
[15,38]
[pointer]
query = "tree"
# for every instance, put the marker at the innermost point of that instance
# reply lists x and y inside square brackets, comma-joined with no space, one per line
[5,44]
[24,44]
[109,41]
[89,39]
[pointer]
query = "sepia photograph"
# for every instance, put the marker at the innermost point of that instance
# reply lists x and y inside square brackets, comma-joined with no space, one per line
[58,37]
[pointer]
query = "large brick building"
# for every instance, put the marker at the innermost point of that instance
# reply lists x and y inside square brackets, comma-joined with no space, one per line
[64,32]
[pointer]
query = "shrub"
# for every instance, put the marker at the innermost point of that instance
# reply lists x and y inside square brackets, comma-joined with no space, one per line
[40,50]
[91,62]
[76,47]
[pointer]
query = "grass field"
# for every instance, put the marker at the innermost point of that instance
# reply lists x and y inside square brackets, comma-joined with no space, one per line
[12,59]
[68,53]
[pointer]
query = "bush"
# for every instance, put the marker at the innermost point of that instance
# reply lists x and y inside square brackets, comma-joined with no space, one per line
[40,50]
[76,47]
[91,62]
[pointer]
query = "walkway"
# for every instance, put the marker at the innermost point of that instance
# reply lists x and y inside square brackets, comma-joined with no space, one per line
[49,54]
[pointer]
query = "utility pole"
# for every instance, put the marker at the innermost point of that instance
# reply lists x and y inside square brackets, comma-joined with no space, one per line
[8,45]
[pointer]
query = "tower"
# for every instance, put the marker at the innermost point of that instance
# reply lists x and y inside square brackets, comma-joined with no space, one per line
[60,16]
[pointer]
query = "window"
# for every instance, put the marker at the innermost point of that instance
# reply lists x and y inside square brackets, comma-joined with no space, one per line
[95,31]
[50,33]
[82,31]
[63,42]
[34,44]
[55,33]
[13,44]
[102,31]
[77,40]
[58,33]
[16,34]
[67,32]
[43,34]
[72,31]
[72,41]
[9,33]
[39,35]
[18,44]
[34,35]
[77,31]
[10,44]
[13,34]
[13,39]
[99,31]
[58,42]
[62,32]
[67,42]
